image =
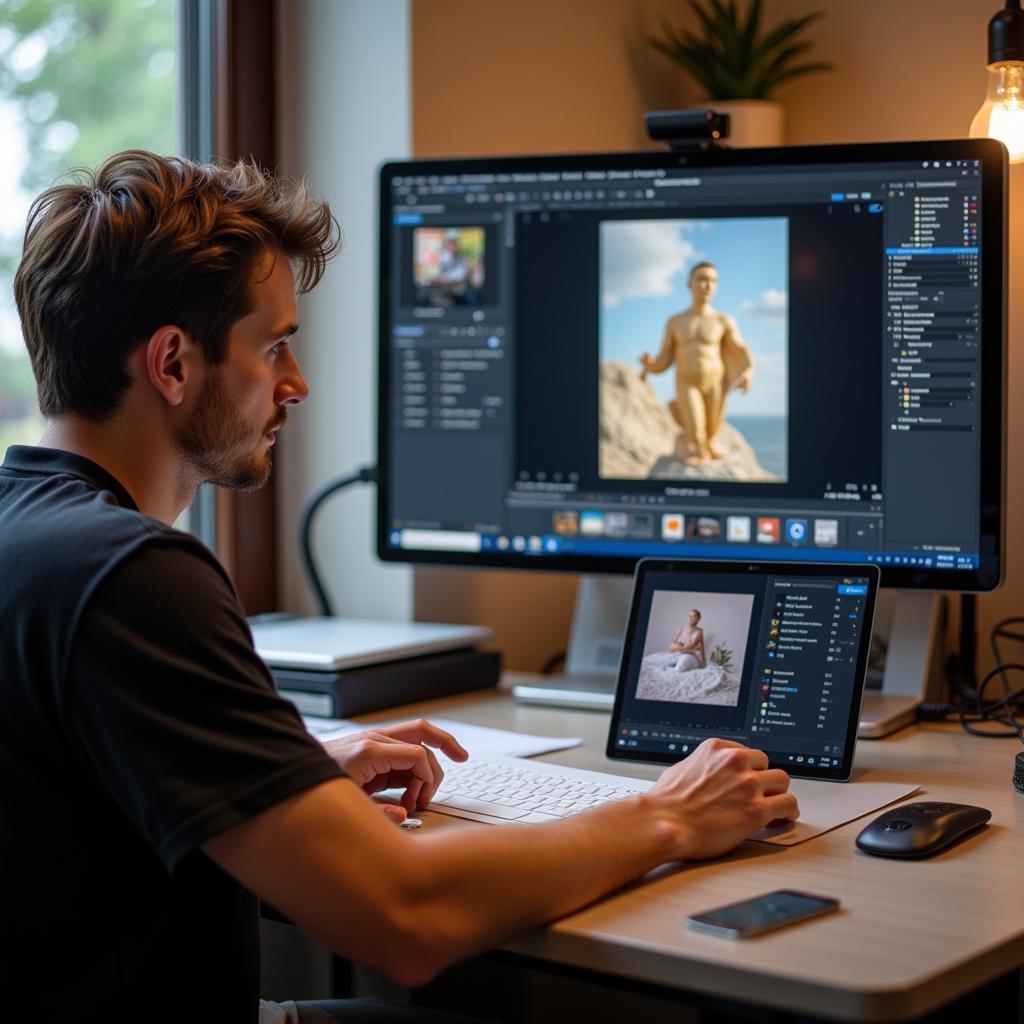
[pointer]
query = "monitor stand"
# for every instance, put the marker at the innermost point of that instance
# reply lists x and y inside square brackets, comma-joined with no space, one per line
[911,620]
[914,642]
[595,647]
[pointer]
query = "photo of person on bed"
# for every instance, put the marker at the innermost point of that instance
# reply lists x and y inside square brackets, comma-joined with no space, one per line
[700,662]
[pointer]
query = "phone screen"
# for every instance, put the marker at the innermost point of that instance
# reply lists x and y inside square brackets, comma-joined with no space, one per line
[772,910]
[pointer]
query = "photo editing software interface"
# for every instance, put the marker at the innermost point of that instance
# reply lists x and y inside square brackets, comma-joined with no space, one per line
[770,661]
[768,361]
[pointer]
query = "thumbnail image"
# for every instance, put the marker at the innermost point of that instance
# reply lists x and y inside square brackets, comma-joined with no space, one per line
[592,524]
[738,529]
[694,343]
[566,524]
[695,647]
[826,532]
[703,527]
[672,526]
[641,525]
[448,266]
[767,530]
[616,524]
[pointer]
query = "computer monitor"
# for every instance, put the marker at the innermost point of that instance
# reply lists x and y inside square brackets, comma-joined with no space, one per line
[824,330]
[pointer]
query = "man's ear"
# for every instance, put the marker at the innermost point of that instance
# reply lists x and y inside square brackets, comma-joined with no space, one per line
[170,359]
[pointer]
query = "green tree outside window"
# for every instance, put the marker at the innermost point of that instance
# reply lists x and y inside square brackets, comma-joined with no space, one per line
[79,80]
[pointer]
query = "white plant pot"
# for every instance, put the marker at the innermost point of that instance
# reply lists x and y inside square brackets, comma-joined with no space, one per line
[752,123]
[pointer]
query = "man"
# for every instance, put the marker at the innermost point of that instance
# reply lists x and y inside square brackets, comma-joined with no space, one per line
[152,783]
[710,358]
[451,285]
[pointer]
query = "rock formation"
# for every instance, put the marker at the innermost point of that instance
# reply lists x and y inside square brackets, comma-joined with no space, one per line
[641,440]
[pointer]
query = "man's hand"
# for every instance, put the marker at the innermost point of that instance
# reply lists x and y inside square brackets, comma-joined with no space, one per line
[720,795]
[397,757]
[746,379]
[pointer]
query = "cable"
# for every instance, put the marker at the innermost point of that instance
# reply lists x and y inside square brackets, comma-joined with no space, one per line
[997,711]
[365,474]
[1000,629]
[996,718]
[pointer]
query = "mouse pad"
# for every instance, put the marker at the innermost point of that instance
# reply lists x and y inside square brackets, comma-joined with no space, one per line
[825,806]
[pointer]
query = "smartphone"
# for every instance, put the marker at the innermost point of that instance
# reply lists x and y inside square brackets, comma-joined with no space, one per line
[762,913]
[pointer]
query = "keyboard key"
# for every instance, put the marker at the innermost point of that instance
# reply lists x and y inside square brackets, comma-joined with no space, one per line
[466,803]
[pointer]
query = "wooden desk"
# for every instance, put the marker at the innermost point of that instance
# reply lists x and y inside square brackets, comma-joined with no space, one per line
[910,937]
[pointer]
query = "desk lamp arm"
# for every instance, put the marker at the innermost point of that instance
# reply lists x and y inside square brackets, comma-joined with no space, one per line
[365,474]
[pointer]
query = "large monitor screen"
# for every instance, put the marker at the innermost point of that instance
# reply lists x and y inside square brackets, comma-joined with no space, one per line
[791,354]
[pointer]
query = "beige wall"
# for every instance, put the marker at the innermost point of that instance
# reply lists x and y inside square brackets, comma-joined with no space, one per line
[517,76]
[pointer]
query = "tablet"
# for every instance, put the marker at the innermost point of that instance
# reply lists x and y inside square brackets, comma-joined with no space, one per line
[770,654]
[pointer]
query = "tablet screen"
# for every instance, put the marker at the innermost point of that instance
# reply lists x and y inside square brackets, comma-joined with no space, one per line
[771,655]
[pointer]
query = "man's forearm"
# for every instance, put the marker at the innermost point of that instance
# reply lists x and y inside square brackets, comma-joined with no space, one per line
[411,905]
[545,871]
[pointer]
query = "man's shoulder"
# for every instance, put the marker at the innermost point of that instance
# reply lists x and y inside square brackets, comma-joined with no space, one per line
[67,530]
[680,320]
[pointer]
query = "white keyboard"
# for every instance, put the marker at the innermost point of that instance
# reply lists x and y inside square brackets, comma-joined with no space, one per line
[499,790]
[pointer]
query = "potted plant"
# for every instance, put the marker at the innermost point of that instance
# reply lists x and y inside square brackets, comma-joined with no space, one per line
[739,66]
[721,657]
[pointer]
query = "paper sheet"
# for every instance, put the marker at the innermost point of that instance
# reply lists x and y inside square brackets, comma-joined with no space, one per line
[827,805]
[479,740]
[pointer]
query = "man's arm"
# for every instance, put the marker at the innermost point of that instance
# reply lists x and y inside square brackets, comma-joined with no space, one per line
[411,905]
[664,357]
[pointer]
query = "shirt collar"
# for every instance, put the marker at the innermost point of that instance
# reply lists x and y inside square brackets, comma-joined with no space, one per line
[53,461]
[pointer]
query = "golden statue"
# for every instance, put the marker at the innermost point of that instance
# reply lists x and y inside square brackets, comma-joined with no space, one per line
[711,359]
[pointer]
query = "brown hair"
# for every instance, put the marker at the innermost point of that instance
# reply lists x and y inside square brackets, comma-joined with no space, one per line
[145,241]
[700,266]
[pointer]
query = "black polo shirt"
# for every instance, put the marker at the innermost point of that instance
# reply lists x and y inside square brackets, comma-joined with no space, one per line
[136,722]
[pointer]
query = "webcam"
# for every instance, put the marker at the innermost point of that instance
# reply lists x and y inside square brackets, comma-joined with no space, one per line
[687,129]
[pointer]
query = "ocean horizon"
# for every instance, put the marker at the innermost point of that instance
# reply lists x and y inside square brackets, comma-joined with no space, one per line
[767,435]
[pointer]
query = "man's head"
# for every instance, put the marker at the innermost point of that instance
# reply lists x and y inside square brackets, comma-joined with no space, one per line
[226,433]
[703,281]
[694,616]
[146,242]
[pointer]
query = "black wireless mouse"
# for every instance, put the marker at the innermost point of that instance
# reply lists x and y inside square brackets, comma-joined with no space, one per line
[920,829]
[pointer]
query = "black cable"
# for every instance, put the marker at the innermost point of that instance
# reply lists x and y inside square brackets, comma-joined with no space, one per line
[1000,629]
[999,712]
[365,474]
[553,664]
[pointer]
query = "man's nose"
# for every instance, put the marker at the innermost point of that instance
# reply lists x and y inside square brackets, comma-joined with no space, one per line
[292,388]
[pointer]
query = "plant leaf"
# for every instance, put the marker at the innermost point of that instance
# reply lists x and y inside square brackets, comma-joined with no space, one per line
[727,58]
[748,34]
[696,67]
[773,39]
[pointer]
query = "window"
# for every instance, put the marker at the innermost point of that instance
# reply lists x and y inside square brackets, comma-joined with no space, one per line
[78,82]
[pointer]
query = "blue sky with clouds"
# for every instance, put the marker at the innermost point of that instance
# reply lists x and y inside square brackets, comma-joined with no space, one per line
[644,270]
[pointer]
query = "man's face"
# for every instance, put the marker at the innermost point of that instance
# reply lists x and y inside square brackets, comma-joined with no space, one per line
[704,283]
[694,618]
[241,403]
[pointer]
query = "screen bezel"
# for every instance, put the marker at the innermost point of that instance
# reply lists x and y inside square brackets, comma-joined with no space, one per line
[682,567]
[992,474]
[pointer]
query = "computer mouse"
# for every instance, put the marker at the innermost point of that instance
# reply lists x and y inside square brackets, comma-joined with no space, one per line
[920,829]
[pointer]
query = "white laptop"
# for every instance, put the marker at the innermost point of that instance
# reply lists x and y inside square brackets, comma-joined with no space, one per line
[327,644]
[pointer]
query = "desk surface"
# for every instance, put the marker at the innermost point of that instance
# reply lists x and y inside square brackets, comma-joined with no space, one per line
[910,937]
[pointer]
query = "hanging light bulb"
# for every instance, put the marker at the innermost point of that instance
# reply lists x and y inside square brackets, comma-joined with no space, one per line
[1001,116]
